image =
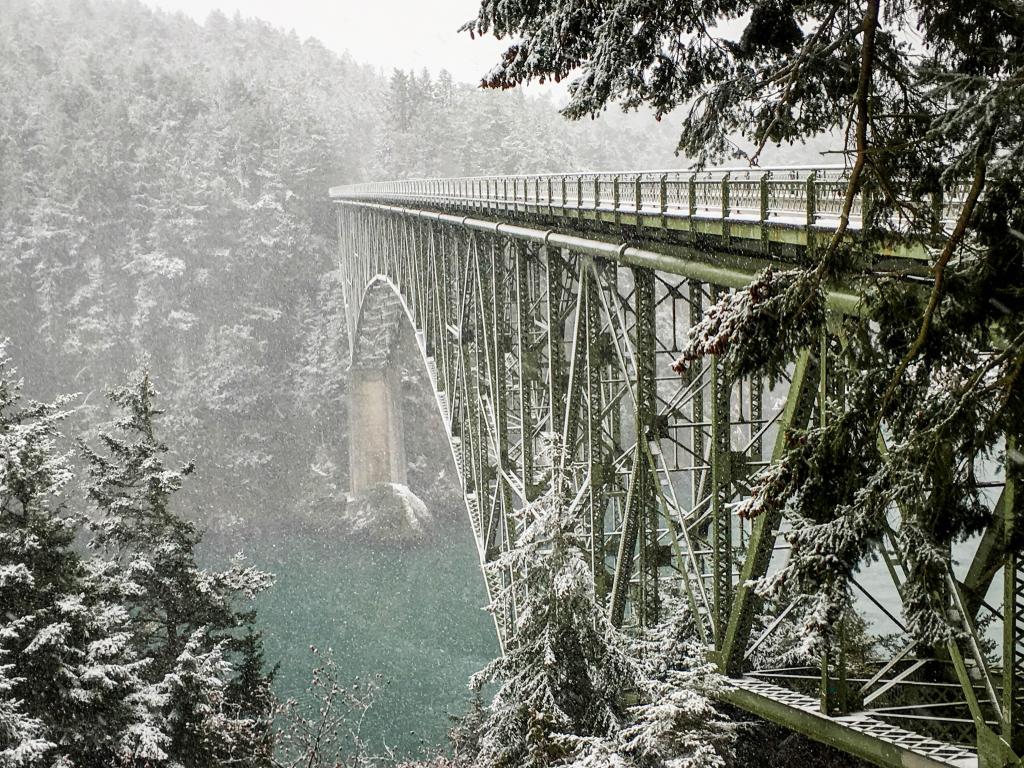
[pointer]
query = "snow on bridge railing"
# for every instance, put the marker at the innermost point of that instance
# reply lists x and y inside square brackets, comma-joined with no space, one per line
[793,196]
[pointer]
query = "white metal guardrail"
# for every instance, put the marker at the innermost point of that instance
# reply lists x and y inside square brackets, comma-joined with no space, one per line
[786,196]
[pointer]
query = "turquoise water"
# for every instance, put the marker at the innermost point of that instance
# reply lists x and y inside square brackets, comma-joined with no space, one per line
[414,616]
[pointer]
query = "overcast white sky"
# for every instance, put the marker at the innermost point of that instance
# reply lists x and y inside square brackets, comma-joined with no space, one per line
[384,33]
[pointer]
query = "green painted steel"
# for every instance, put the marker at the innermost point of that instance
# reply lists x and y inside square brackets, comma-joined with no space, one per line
[1013,606]
[549,310]
[796,412]
[876,749]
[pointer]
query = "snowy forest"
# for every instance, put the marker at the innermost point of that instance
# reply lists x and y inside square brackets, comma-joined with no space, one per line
[184,580]
[164,199]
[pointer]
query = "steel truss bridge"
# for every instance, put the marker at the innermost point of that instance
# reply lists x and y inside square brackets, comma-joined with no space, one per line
[556,304]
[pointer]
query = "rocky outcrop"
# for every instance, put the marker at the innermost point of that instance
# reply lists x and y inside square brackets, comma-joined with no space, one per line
[387,513]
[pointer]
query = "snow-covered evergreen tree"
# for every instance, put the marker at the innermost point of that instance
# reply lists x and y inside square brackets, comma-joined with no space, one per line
[203,725]
[66,661]
[566,669]
[21,737]
[204,654]
[568,675]
[675,723]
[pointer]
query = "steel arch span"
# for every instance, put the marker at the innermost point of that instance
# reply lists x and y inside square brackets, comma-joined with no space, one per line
[556,304]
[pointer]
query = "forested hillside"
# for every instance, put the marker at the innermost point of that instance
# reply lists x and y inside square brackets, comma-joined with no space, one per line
[163,198]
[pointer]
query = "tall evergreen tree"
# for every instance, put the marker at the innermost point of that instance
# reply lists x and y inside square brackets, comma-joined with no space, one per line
[66,658]
[204,653]
[21,737]
[566,669]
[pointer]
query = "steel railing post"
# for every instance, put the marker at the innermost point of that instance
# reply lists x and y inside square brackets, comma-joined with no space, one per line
[615,197]
[726,210]
[763,213]
[811,194]
[663,199]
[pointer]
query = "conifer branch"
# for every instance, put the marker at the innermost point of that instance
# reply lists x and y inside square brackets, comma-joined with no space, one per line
[792,78]
[862,104]
[981,168]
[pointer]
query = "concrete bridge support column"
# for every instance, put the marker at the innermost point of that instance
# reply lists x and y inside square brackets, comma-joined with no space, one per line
[376,445]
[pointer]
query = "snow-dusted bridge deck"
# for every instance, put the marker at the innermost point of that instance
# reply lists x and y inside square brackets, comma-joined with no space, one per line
[756,207]
[557,304]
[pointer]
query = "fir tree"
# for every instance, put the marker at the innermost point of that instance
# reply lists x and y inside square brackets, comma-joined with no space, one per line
[204,726]
[204,655]
[566,669]
[21,737]
[675,722]
[65,652]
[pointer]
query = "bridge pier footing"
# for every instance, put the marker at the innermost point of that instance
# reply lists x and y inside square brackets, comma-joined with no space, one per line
[376,443]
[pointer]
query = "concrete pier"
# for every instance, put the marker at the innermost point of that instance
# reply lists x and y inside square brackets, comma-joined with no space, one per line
[377,452]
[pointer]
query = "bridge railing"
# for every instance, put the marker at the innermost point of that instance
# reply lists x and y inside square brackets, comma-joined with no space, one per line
[789,196]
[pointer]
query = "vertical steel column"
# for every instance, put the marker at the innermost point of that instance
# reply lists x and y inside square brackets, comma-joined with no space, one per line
[799,402]
[589,303]
[422,270]
[832,692]
[557,373]
[699,475]
[640,507]
[475,440]
[429,322]
[526,366]
[646,432]
[721,479]
[497,344]
[1013,603]
[447,289]
[576,386]
[696,300]
[756,417]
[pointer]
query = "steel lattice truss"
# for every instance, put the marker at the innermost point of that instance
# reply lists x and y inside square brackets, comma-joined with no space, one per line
[536,316]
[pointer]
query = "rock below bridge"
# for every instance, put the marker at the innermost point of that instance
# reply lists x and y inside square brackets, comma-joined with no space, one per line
[387,513]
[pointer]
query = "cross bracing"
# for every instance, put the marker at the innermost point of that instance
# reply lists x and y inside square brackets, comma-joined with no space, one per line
[556,305]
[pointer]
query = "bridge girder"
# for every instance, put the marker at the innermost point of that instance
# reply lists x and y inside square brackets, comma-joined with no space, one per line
[527,332]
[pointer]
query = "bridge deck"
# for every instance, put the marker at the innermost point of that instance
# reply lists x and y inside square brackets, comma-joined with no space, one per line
[753,206]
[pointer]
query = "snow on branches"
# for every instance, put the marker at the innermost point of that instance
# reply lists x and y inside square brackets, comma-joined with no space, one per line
[136,659]
[568,673]
[748,327]
[566,669]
